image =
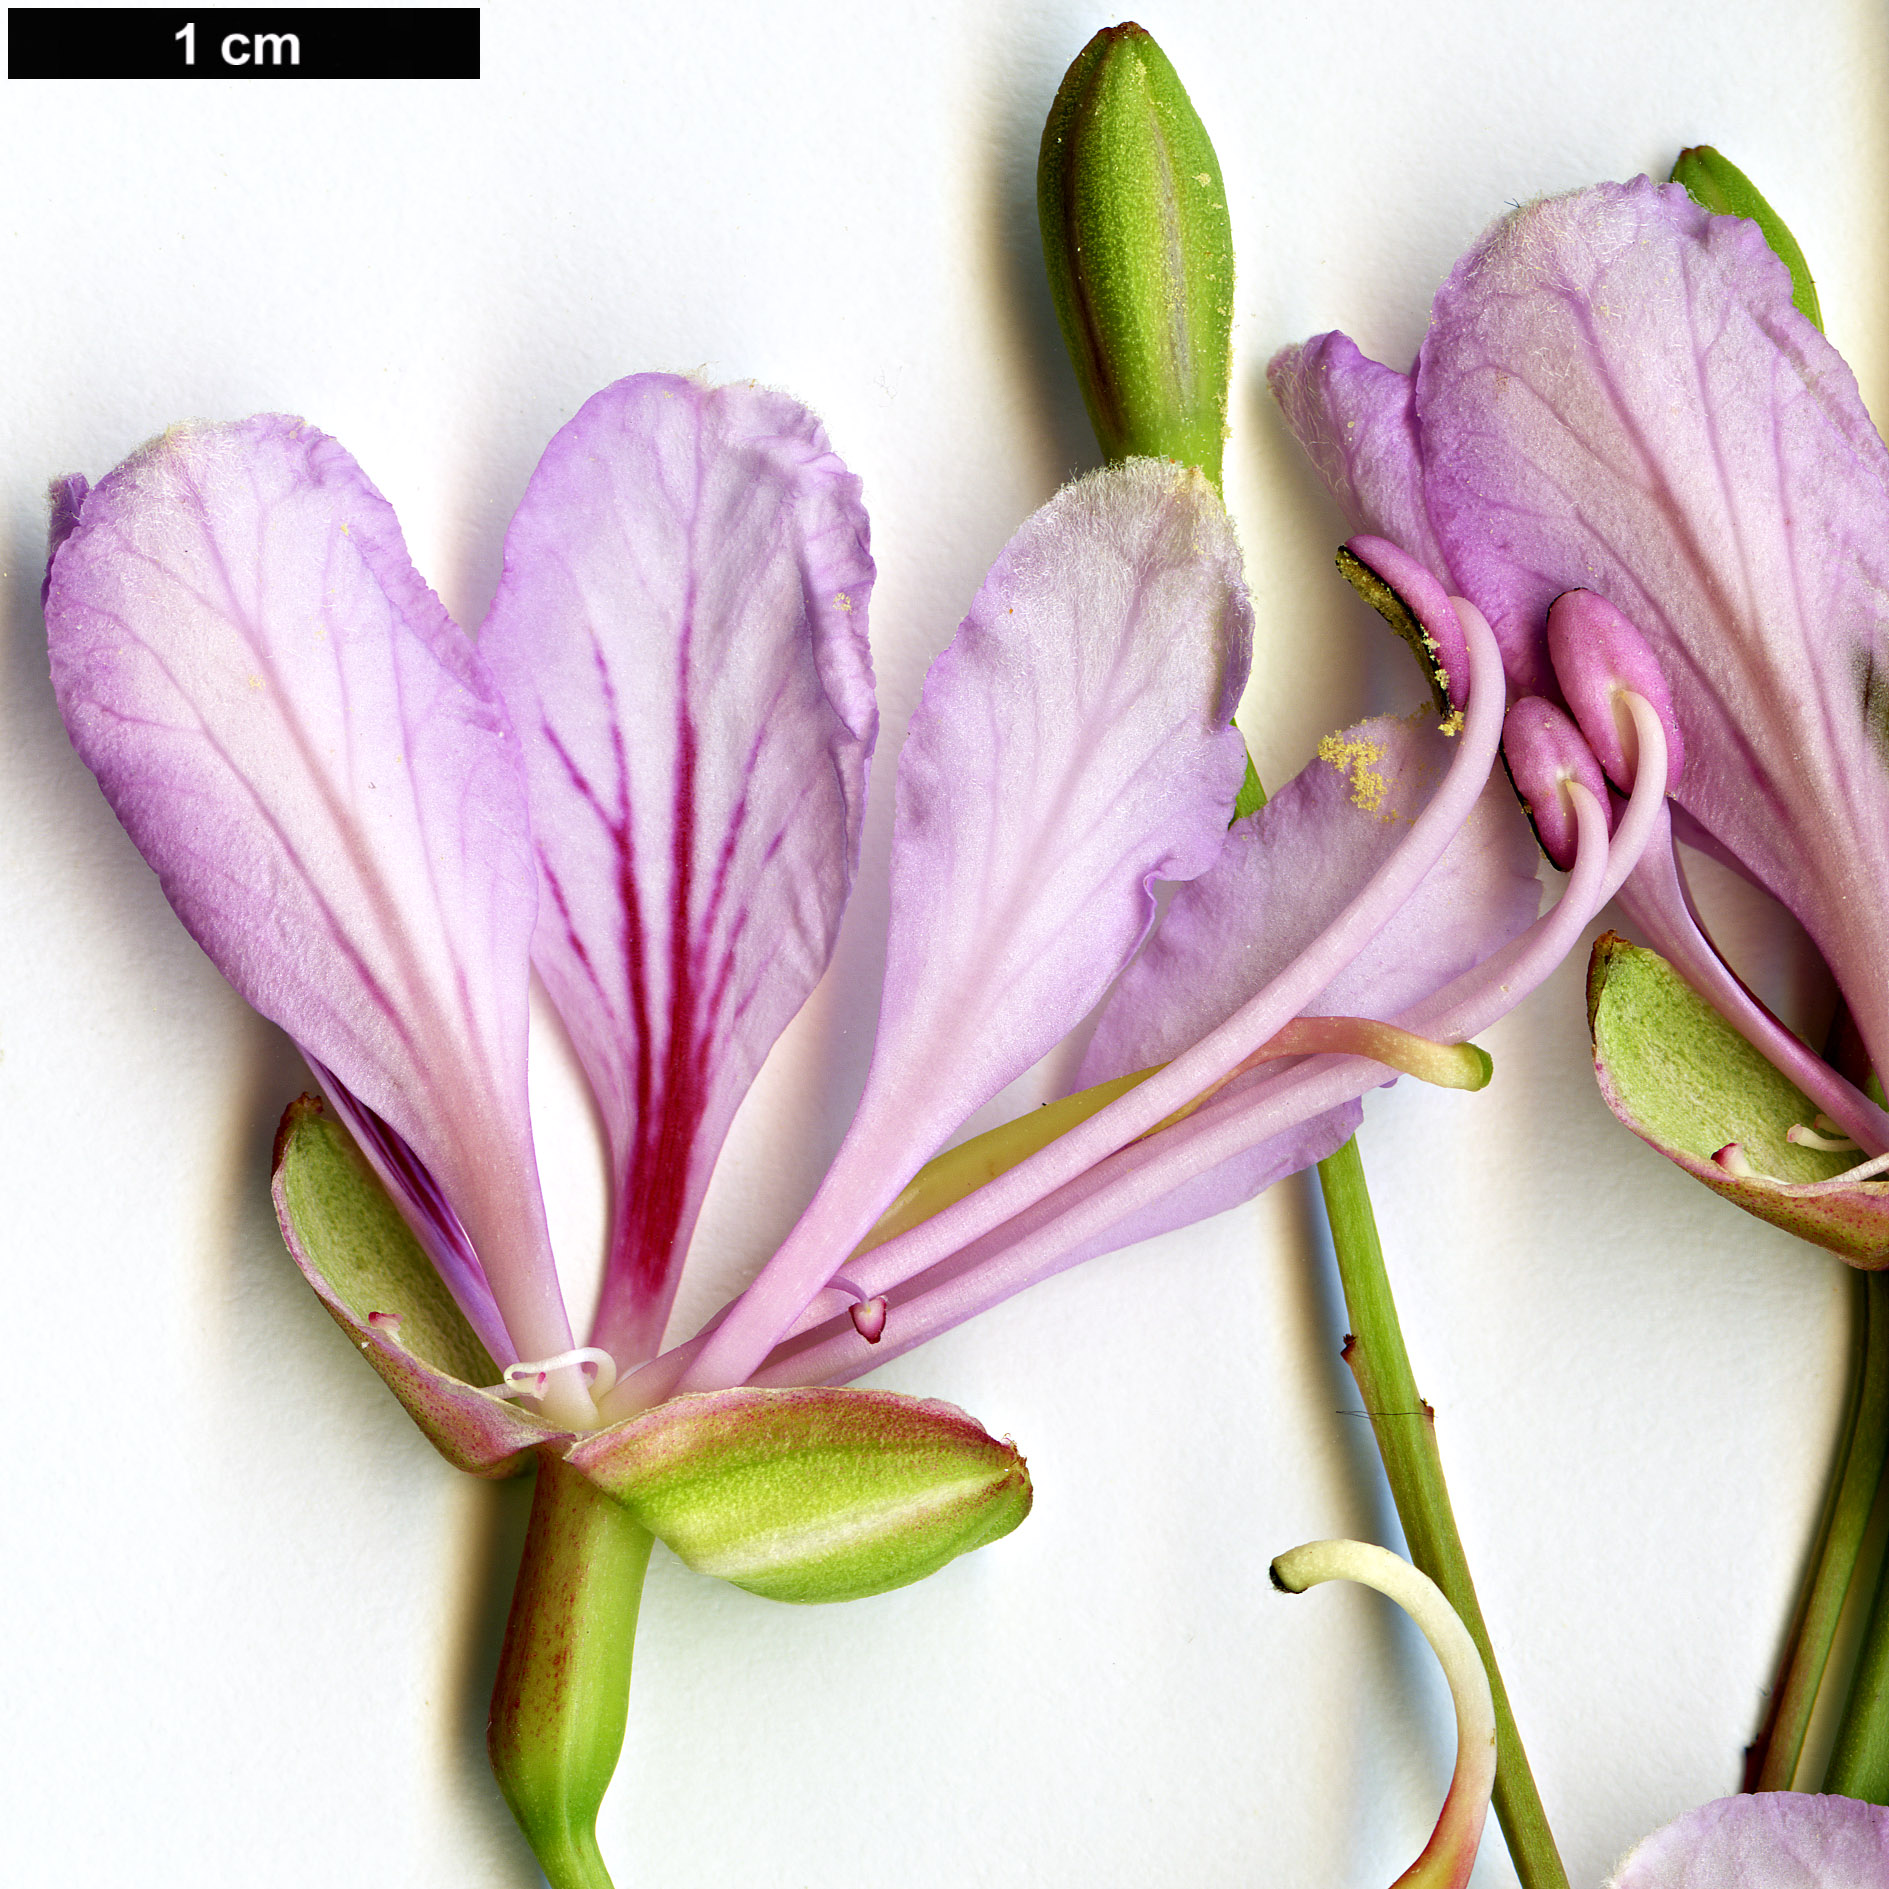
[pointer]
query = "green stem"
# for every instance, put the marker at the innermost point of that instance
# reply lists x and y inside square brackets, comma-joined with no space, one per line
[1859,1761]
[563,1691]
[1861,1449]
[1406,1439]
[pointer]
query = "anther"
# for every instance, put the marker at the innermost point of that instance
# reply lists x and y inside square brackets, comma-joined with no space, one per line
[1546,753]
[1733,1159]
[1600,659]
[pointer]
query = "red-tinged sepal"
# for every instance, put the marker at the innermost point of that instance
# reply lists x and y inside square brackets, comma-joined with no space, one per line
[354,1248]
[1684,1080]
[811,1495]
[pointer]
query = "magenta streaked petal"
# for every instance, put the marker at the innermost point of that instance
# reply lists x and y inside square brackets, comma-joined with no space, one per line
[1290,868]
[315,761]
[1617,394]
[1357,420]
[681,635]
[1072,747]
[1770,1840]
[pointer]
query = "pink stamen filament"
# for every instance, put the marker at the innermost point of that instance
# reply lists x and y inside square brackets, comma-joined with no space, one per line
[1044,1238]
[806,1260]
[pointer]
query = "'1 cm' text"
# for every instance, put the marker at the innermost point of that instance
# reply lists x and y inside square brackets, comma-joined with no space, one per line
[238,49]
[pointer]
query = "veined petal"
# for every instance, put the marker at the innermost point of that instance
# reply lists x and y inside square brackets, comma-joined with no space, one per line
[1073,746]
[1617,394]
[1770,1840]
[1290,868]
[681,635]
[313,758]
[1357,420]
[1286,872]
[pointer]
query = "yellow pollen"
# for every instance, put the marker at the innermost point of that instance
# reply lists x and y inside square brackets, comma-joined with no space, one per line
[1357,760]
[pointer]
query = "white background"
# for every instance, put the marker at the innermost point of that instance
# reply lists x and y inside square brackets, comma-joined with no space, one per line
[249,1618]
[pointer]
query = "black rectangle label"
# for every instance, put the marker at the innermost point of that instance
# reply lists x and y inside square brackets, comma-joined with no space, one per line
[242,43]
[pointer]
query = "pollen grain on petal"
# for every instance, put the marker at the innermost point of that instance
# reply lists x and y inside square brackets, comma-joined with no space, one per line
[1357,758]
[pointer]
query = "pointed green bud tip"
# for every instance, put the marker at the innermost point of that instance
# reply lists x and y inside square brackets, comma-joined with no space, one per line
[1139,251]
[1715,183]
[811,1495]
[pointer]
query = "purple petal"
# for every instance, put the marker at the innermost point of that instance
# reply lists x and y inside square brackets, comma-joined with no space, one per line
[1773,1840]
[1617,394]
[1357,420]
[1286,873]
[681,634]
[64,503]
[1072,746]
[1290,868]
[1071,749]
[314,760]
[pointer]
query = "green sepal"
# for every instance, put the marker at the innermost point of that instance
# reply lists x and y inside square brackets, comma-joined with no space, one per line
[810,1495]
[1715,183]
[1685,1081]
[1387,602]
[1139,250]
[345,1233]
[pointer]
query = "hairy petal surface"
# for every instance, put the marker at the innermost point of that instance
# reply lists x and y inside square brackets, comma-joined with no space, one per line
[1286,873]
[1618,394]
[314,759]
[1357,421]
[1072,747]
[1771,1840]
[681,634]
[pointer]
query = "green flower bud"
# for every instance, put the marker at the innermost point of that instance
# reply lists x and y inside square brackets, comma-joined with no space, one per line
[1140,252]
[1715,183]
[811,1495]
